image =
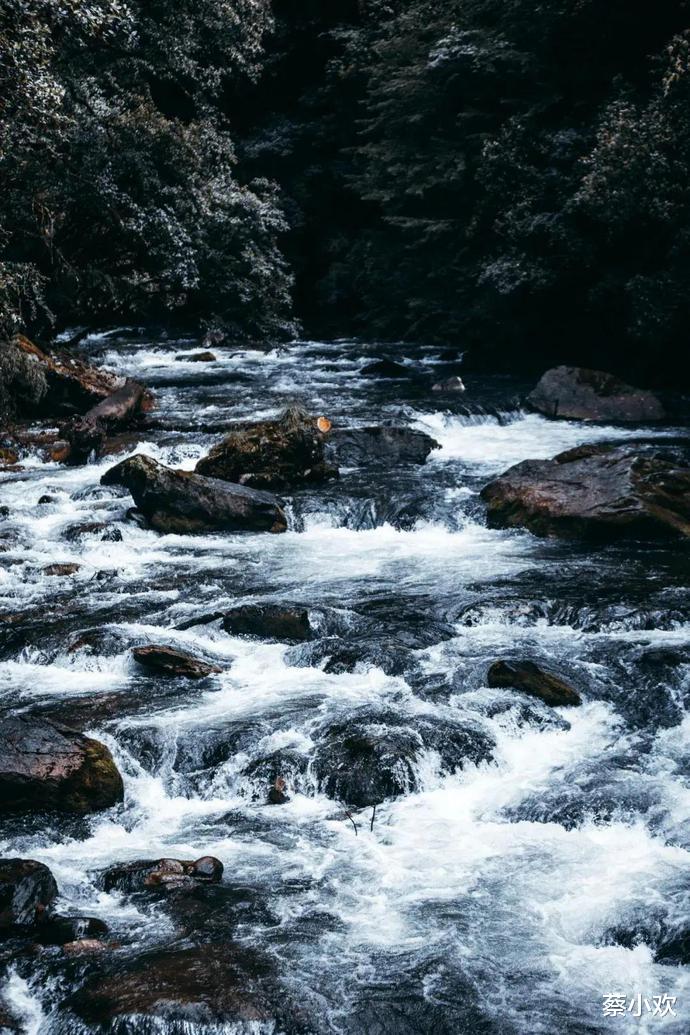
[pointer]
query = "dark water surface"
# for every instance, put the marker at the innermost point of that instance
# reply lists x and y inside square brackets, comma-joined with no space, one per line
[506,897]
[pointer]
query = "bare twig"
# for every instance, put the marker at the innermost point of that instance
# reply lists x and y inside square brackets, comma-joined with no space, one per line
[373,817]
[349,816]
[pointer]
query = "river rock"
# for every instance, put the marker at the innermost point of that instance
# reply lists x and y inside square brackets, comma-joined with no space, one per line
[284,623]
[27,892]
[593,491]
[363,761]
[222,984]
[44,765]
[168,661]
[67,930]
[272,454]
[387,368]
[197,357]
[449,385]
[337,655]
[183,503]
[162,874]
[532,680]
[59,384]
[575,393]
[360,447]
[61,570]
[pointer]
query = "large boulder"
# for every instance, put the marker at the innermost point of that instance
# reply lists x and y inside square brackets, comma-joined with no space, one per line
[532,680]
[59,383]
[47,766]
[221,984]
[575,393]
[359,447]
[184,503]
[363,761]
[27,892]
[272,454]
[593,491]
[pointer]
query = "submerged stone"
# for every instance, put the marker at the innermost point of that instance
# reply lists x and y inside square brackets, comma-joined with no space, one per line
[532,680]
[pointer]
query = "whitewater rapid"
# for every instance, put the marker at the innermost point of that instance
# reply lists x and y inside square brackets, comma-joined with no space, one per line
[496,898]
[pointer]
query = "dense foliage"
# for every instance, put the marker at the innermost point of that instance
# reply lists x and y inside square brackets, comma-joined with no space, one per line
[495,173]
[122,198]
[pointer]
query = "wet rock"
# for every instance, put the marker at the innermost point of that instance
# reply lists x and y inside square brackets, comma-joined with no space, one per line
[269,622]
[277,794]
[64,930]
[449,385]
[219,984]
[61,569]
[8,457]
[180,502]
[47,766]
[84,946]
[59,383]
[385,368]
[85,436]
[167,661]
[197,357]
[594,491]
[532,680]
[272,454]
[47,499]
[361,447]
[162,874]
[270,777]
[337,656]
[27,892]
[75,532]
[575,393]
[362,762]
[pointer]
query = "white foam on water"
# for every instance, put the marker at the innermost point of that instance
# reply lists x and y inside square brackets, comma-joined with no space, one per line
[495,444]
[24,1005]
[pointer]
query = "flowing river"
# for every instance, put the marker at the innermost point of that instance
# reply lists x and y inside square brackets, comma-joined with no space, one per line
[508,896]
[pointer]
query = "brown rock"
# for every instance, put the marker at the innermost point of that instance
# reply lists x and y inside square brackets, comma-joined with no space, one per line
[61,569]
[594,491]
[47,766]
[269,621]
[167,661]
[8,457]
[532,680]
[197,357]
[206,985]
[164,874]
[184,503]
[272,454]
[72,385]
[575,393]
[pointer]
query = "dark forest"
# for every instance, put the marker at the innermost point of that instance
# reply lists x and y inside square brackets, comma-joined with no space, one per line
[502,175]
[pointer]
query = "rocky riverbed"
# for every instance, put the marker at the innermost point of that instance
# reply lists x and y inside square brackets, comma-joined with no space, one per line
[390,761]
